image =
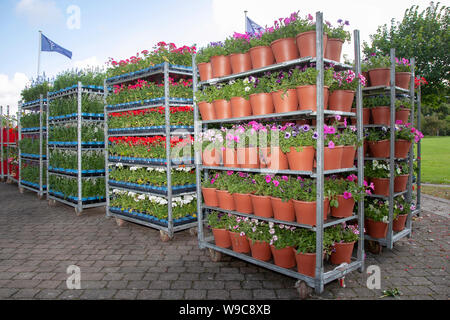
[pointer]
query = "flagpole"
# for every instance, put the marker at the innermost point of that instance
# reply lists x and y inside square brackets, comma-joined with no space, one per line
[245,25]
[39,54]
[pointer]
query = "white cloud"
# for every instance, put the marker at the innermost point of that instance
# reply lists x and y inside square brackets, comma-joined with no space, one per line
[10,90]
[88,63]
[39,11]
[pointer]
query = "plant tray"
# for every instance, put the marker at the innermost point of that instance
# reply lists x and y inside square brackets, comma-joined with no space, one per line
[152,219]
[152,188]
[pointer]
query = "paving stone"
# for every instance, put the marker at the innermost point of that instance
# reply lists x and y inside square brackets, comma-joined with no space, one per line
[149,294]
[7,293]
[48,294]
[126,294]
[195,294]
[95,294]
[26,293]
[173,294]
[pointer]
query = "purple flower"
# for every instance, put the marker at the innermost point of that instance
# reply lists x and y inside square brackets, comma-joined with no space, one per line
[347,195]
[306,128]
[315,135]
[347,23]
[339,21]
[287,135]
[331,145]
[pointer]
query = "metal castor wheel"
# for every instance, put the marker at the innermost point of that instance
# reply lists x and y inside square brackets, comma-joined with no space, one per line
[78,212]
[215,256]
[193,232]
[120,222]
[374,247]
[21,190]
[51,202]
[164,236]
[303,290]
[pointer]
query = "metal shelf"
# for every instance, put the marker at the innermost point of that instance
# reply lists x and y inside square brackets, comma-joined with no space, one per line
[384,88]
[75,89]
[156,194]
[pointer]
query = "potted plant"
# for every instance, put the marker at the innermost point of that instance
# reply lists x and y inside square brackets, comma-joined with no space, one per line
[260,96]
[344,238]
[346,193]
[380,109]
[402,209]
[259,237]
[260,52]
[378,172]
[401,176]
[209,191]
[220,95]
[238,46]
[282,204]
[350,142]
[333,147]
[218,222]
[229,156]
[402,73]
[226,200]
[284,95]
[378,142]
[404,137]
[204,99]
[343,90]
[336,38]
[203,63]
[304,80]
[241,187]
[283,41]
[377,214]
[262,205]
[239,92]
[379,70]
[306,37]
[402,110]
[210,142]
[298,143]
[281,245]
[220,61]
[270,154]
[236,229]
[247,146]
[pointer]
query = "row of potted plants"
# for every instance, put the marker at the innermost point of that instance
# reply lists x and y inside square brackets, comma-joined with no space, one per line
[378,173]
[151,117]
[30,173]
[282,147]
[87,76]
[287,246]
[31,120]
[68,159]
[153,205]
[68,132]
[30,145]
[69,105]
[288,39]
[286,198]
[91,187]
[377,110]
[278,92]
[376,67]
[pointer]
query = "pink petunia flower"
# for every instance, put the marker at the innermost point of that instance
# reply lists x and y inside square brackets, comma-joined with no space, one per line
[331,145]
[347,195]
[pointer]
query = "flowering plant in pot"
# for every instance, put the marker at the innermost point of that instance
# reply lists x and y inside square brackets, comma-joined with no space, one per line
[344,238]
[379,71]
[261,54]
[306,36]
[333,147]
[218,222]
[225,198]
[298,142]
[404,137]
[237,227]
[349,140]
[402,73]
[281,244]
[238,46]
[378,142]
[282,204]
[283,38]
[402,110]
[241,187]
[239,93]
[336,38]
[261,202]
[401,176]
[260,95]
[284,95]
[220,61]
[259,237]
[346,193]
[209,190]
[377,218]
[343,90]
[247,139]
[379,108]
[270,154]
[401,211]
[210,142]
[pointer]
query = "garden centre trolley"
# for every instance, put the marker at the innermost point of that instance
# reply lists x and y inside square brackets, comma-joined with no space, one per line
[74,117]
[6,145]
[323,274]
[31,159]
[168,226]
[375,245]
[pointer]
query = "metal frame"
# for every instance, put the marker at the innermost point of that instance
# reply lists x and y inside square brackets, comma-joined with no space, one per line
[392,237]
[419,153]
[322,276]
[165,70]
[41,106]
[79,90]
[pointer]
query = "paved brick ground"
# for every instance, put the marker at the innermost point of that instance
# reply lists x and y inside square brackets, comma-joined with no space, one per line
[38,243]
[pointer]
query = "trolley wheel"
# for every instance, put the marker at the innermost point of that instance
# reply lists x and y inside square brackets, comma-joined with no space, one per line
[164,236]
[21,190]
[374,247]
[78,212]
[40,196]
[215,256]
[51,202]
[303,289]
[193,232]
[120,222]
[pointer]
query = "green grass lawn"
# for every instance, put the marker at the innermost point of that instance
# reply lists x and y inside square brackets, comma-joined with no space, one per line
[436,160]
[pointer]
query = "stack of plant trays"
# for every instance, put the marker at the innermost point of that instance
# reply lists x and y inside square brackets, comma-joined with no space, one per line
[8,153]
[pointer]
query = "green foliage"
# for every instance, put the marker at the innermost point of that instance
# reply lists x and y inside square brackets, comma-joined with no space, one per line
[297,138]
[69,105]
[31,145]
[69,187]
[308,76]
[31,120]
[236,45]
[30,173]
[218,220]
[305,241]
[68,78]
[68,159]
[33,91]
[152,176]
[69,133]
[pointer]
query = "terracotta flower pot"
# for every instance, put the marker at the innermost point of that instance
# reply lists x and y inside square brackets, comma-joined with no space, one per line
[341,100]
[285,102]
[380,77]
[248,157]
[348,156]
[284,49]
[301,160]
[306,43]
[240,107]
[240,62]
[210,158]
[260,250]
[226,200]
[379,149]
[345,208]
[306,263]
[400,183]
[366,116]
[283,210]
[220,66]
[222,238]
[261,56]
[222,108]
[239,243]
[403,79]
[332,157]
[243,203]
[210,197]
[402,148]
[342,252]
[399,223]
[305,212]
[205,70]
[262,206]
[284,258]
[307,98]
[207,110]
[229,158]
[273,158]
[381,186]
[376,229]
[403,115]
[334,49]
[261,103]
[381,115]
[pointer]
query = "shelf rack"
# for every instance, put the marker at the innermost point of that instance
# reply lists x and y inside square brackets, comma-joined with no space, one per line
[169,226]
[38,106]
[375,245]
[418,158]
[323,274]
[79,203]
[8,146]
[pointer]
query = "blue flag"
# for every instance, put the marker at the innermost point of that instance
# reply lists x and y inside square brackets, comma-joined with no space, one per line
[252,27]
[49,45]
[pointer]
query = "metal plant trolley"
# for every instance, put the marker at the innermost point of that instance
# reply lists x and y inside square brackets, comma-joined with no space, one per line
[169,226]
[323,274]
[6,151]
[37,106]
[375,245]
[80,147]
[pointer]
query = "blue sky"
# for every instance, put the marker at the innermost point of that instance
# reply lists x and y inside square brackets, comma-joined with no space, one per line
[119,28]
